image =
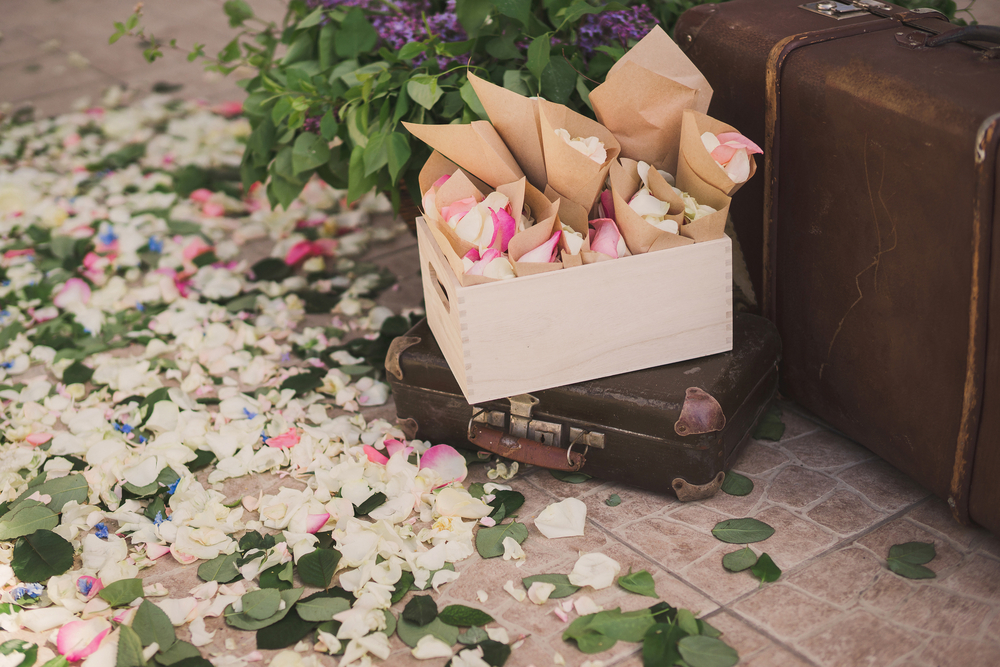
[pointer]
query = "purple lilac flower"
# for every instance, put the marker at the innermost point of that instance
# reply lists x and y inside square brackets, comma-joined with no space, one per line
[620,26]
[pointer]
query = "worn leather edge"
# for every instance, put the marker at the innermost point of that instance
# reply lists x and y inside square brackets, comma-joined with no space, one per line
[686,491]
[396,348]
[987,146]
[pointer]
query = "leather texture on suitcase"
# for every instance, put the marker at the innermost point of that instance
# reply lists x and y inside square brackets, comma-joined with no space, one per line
[873,231]
[676,427]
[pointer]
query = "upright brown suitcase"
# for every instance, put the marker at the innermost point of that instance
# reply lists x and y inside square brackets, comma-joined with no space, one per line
[873,237]
[678,426]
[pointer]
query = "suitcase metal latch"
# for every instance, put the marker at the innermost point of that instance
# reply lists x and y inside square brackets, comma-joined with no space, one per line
[545,432]
[836,10]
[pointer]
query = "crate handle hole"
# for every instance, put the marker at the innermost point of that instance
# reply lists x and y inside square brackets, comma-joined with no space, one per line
[439,287]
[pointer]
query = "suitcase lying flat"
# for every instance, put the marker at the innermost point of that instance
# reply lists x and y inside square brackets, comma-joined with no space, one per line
[875,223]
[677,427]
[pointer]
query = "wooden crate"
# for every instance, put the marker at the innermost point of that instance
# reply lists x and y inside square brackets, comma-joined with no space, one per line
[552,329]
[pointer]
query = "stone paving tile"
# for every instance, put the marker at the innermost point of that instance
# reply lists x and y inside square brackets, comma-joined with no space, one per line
[934,609]
[902,531]
[797,487]
[859,640]
[759,458]
[635,504]
[839,577]
[796,424]
[671,544]
[845,512]
[795,539]
[958,652]
[978,576]
[822,449]
[776,656]
[723,586]
[785,611]
[883,485]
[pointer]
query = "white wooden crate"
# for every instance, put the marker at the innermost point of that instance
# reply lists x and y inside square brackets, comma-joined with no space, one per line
[557,328]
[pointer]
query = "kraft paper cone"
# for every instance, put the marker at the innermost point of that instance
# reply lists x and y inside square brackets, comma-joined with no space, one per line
[571,173]
[699,160]
[437,166]
[639,235]
[540,206]
[644,96]
[475,147]
[459,186]
[570,212]
[514,117]
[713,225]
[530,239]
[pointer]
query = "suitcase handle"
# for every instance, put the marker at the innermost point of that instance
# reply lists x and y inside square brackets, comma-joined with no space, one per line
[524,450]
[969,33]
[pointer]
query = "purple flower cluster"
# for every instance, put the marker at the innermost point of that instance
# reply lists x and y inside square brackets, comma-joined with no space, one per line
[621,26]
[396,29]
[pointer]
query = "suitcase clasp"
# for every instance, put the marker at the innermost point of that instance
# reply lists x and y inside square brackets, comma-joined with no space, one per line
[523,426]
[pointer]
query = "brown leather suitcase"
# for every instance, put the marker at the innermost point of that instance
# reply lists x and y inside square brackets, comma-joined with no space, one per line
[677,427]
[871,235]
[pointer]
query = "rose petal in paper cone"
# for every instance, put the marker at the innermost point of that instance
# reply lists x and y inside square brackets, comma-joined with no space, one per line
[726,137]
[457,210]
[607,239]
[446,462]
[544,253]
[723,153]
[504,226]
[78,639]
[608,204]
[479,266]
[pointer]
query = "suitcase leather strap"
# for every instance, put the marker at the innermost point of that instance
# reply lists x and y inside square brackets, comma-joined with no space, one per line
[524,450]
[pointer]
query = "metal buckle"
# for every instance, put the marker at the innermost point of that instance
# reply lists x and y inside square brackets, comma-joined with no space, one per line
[834,10]
[569,450]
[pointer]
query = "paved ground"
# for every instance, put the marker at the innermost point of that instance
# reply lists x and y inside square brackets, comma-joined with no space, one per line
[837,509]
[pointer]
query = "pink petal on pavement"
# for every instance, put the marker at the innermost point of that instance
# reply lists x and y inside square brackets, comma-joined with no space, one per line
[38,438]
[723,153]
[78,639]
[605,239]
[543,253]
[96,585]
[195,248]
[504,225]
[375,456]
[608,204]
[446,462]
[201,195]
[228,109]
[392,446]
[316,521]
[740,139]
[155,551]
[212,209]
[75,290]
[298,252]
[563,616]
[289,438]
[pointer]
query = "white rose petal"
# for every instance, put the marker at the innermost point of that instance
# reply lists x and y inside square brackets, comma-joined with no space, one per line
[595,570]
[429,647]
[540,591]
[566,518]
[516,593]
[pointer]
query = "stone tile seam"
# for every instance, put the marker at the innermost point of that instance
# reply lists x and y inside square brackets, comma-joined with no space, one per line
[966,551]
[802,512]
[762,631]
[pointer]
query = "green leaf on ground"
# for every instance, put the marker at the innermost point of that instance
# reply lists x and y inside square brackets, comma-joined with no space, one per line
[321,609]
[153,626]
[261,604]
[742,531]
[279,577]
[244,622]
[410,634]
[907,559]
[659,646]
[570,477]
[495,654]
[420,610]
[489,541]
[317,567]
[614,500]
[472,636]
[129,648]
[699,651]
[736,484]
[629,626]
[505,504]
[373,501]
[221,568]
[41,555]
[181,650]
[737,561]
[686,621]
[20,647]
[561,581]
[587,639]
[286,632]
[465,617]
[77,373]
[770,426]
[62,490]
[640,582]
[121,592]
[402,587]
[765,569]
[26,519]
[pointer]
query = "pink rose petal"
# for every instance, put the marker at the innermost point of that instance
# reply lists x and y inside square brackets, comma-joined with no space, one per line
[606,236]
[316,521]
[457,209]
[446,462]
[38,438]
[608,204]
[289,438]
[479,267]
[375,456]
[543,253]
[228,109]
[155,551]
[488,522]
[78,639]
[740,139]
[738,169]
[213,210]
[723,153]
[504,225]
[93,586]
[297,252]
[75,290]
[392,446]
[194,248]
[201,195]
[563,616]
[472,255]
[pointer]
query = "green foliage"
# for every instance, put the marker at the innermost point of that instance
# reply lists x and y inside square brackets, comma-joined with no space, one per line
[316,568]
[640,582]
[907,560]
[736,484]
[770,426]
[121,592]
[742,531]
[41,555]
[765,569]
[462,616]
[421,610]
[489,541]
[561,581]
